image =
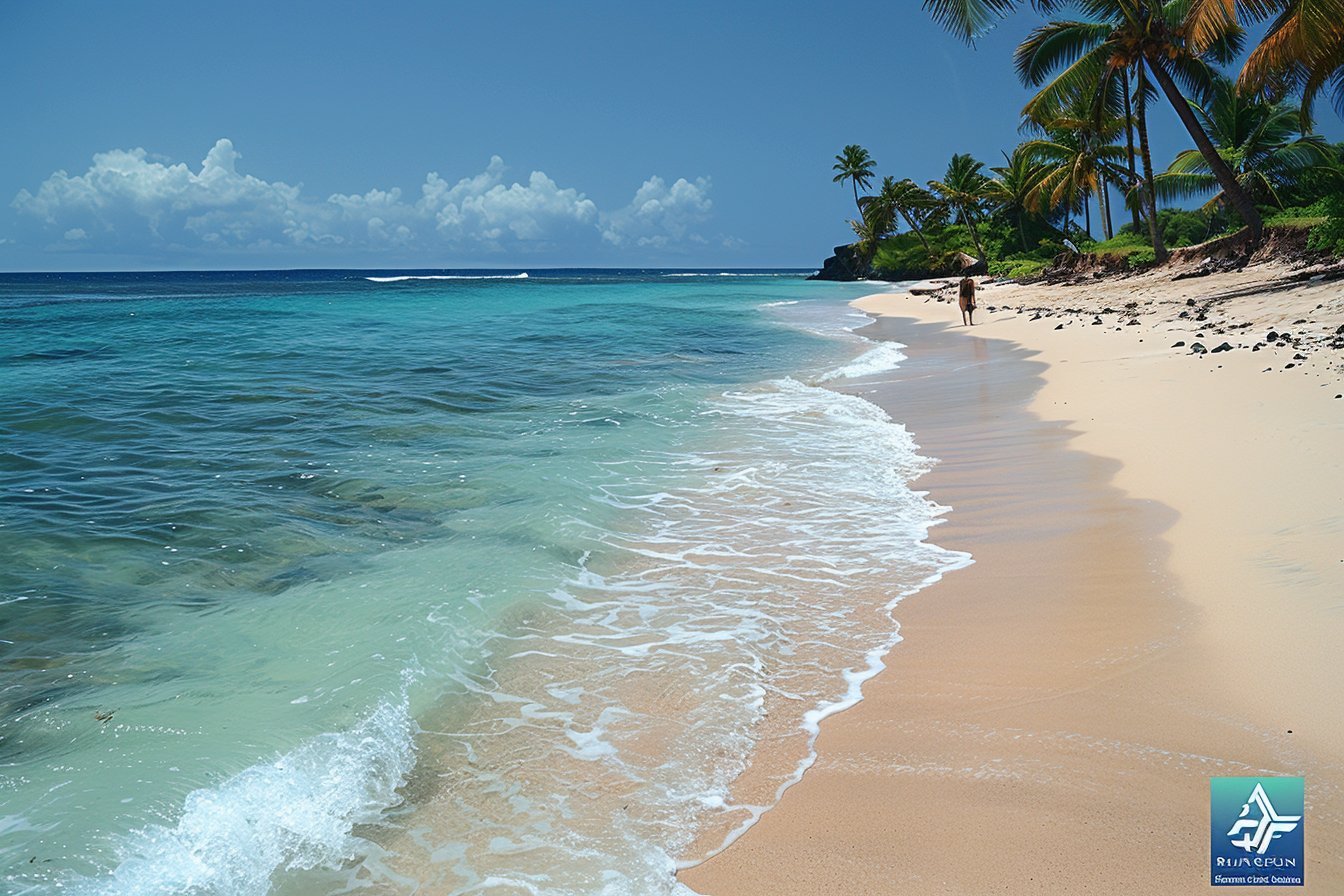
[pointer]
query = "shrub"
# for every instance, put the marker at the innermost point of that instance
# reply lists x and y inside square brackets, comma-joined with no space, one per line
[1018,268]
[1328,235]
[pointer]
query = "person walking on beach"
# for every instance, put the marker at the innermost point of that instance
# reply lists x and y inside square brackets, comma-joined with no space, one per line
[966,299]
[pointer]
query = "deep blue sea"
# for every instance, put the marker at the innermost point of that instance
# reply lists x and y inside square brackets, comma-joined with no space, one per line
[454,582]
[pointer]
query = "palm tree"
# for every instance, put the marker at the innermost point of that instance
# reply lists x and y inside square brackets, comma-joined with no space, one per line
[1304,47]
[1079,143]
[962,188]
[1145,36]
[1016,191]
[911,201]
[1093,56]
[855,165]
[1262,141]
[1075,159]
[876,220]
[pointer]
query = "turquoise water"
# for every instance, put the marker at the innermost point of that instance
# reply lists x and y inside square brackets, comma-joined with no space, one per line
[315,582]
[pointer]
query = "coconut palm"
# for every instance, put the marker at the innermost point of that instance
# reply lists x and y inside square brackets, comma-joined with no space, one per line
[1092,59]
[912,202]
[855,165]
[1075,160]
[876,220]
[1079,145]
[1304,47]
[962,188]
[1147,37]
[1016,191]
[1262,141]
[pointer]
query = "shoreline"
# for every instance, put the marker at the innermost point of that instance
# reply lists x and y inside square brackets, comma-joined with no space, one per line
[1040,768]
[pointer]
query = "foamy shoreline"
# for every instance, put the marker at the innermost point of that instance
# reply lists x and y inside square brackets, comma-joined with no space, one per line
[1105,655]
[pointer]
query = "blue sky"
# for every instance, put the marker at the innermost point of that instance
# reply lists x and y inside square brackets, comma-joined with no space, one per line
[509,134]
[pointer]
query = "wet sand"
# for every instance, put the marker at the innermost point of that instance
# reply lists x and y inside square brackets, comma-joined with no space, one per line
[1157,597]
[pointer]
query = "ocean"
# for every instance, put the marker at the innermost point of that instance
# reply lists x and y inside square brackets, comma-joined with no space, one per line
[532,582]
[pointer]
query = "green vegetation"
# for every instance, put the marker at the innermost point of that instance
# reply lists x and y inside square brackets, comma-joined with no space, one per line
[1254,161]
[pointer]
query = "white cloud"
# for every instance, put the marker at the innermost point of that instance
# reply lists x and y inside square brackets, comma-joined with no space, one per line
[660,215]
[482,207]
[126,201]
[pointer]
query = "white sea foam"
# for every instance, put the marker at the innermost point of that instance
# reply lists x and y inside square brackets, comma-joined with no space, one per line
[744,598]
[739,274]
[882,358]
[404,277]
[296,812]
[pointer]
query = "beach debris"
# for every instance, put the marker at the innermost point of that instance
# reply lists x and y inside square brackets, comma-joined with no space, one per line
[104,715]
[1299,357]
[1198,348]
[1059,326]
[1096,321]
[1257,346]
[1134,322]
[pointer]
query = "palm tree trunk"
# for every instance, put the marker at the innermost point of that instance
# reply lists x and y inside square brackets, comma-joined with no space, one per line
[915,227]
[1022,231]
[855,183]
[975,237]
[1129,139]
[1087,215]
[1226,179]
[1104,208]
[1149,194]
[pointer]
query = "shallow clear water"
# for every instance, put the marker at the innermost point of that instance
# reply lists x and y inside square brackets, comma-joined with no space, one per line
[313,581]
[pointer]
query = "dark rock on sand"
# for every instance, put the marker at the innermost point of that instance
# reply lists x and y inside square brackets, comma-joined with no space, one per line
[1198,348]
[1225,347]
[1180,344]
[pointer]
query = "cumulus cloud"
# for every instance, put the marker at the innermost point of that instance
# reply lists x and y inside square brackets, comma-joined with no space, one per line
[660,215]
[126,200]
[484,207]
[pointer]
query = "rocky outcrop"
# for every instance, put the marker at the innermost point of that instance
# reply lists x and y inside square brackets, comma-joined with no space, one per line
[845,266]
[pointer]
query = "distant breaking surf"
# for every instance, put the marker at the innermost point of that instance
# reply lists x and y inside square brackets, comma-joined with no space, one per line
[522,276]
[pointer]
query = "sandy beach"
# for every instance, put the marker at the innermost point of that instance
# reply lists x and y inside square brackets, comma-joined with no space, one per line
[1157,597]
